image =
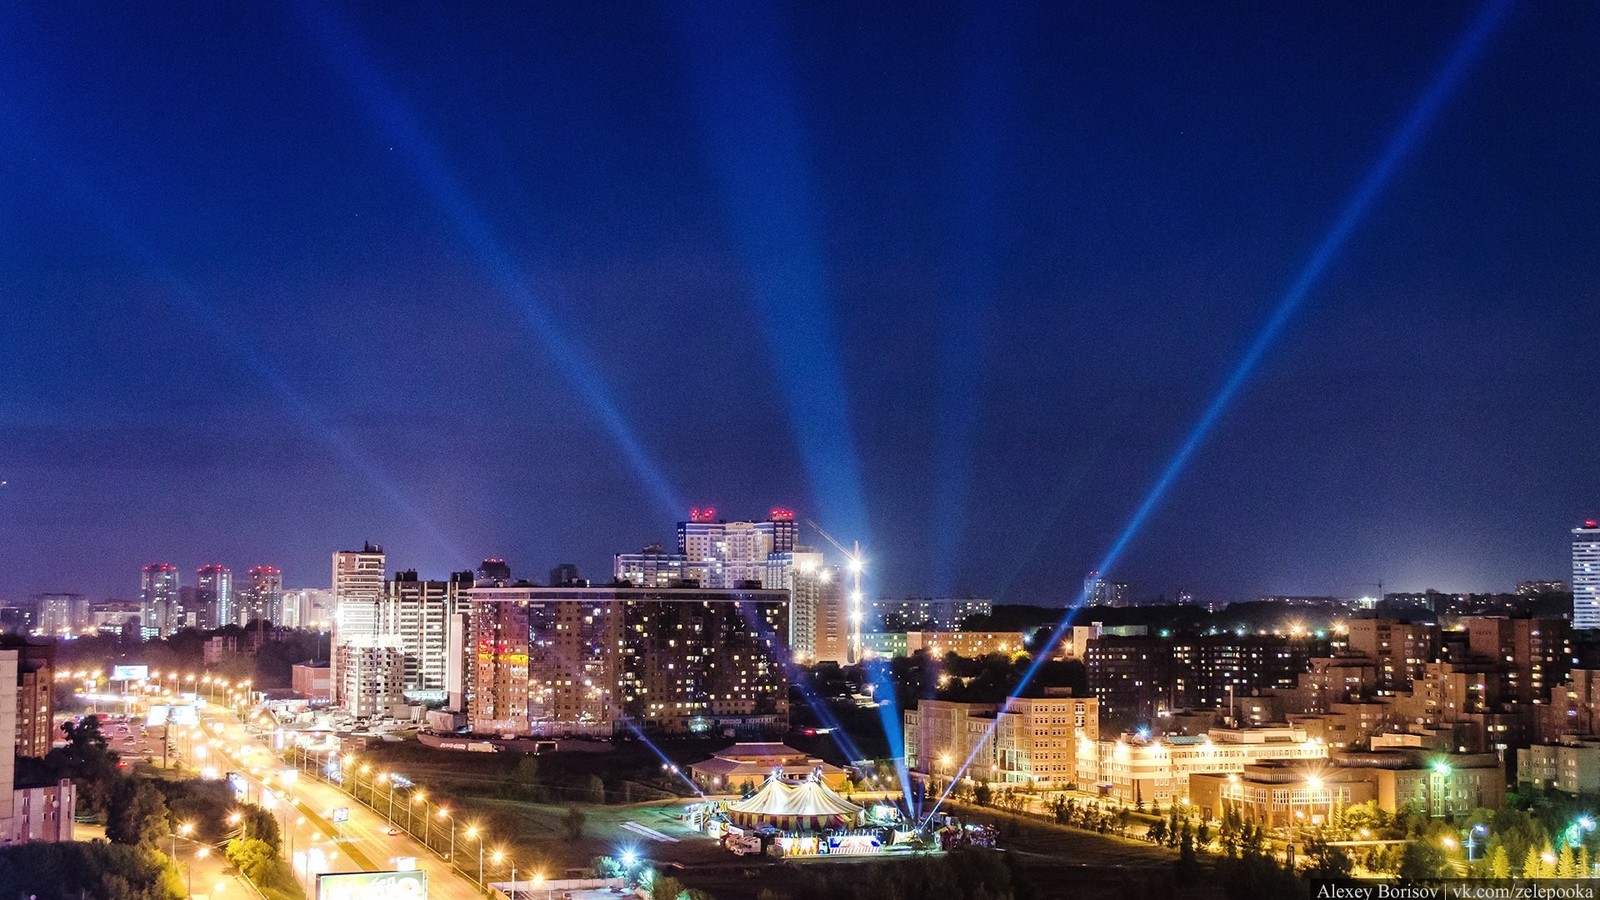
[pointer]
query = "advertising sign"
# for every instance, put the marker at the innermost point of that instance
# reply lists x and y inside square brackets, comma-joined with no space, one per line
[373,886]
[157,716]
[342,814]
[130,673]
[184,715]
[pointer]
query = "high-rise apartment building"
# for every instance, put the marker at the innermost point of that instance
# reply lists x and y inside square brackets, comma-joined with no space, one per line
[61,613]
[358,577]
[598,661]
[213,596]
[160,609]
[734,554]
[371,677]
[1533,654]
[819,617]
[654,567]
[36,675]
[1400,649]
[262,596]
[1586,575]
[414,616]
[927,613]
[308,608]
[1099,590]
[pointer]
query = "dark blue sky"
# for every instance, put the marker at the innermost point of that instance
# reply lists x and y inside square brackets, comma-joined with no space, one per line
[955,280]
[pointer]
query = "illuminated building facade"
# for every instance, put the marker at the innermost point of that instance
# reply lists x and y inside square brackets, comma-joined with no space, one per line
[1400,649]
[371,677]
[415,615]
[1026,740]
[160,609]
[600,661]
[61,613]
[926,613]
[357,586]
[819,617]
[1099,590]
[1157,769]
[734,554]
[213,587]
[1586,575]
[262,597]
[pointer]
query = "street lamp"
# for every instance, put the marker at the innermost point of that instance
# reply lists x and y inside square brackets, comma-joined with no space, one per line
[418,796]
[1477,829]
[472,832]
[499,856]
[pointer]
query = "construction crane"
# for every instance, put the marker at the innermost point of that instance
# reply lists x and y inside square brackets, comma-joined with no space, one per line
[854,563]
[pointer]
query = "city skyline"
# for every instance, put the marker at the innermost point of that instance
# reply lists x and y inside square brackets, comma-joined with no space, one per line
[957,288]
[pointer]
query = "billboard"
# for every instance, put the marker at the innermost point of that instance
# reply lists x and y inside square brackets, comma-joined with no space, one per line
[184,715]
[373,886]
[130,673]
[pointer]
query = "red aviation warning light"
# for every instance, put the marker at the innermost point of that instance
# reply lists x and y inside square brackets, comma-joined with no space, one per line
[778,514]
[707,514]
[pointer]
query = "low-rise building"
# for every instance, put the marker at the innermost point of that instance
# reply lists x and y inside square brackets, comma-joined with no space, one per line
[1137,769]
[749,764]
[1572,766]
[312,681]
[1283,793]
[1027,740]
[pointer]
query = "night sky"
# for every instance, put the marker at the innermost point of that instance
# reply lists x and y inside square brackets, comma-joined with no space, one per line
[955,281]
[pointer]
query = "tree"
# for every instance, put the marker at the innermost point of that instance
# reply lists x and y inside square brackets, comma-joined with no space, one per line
[982,794]
[253,857]
[1327,861]
[1531,864]
[1157,832]
[597,789]
[1187,868]
[1421,860]
[137,814]
[572,822]
[1499,863]
[1566,865]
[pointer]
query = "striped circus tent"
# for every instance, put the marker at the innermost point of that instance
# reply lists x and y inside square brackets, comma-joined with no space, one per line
[804,805]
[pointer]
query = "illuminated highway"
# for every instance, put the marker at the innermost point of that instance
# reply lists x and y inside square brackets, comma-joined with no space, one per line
[316,843]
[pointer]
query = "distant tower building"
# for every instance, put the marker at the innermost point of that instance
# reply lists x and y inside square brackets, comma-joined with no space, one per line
[564,574]
[61,613]
[262,596]
[819,618]
[357,593]
[1586,575]
[494,571]
[213,596]
[734,554]
[160,610]
[357,588]
[1101,591]
[1183,598]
